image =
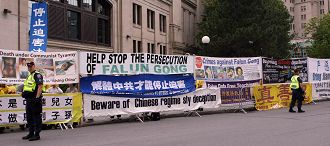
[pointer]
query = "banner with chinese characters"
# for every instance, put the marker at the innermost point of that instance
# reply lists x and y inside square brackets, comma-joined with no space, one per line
[321,90]
[38,27]
[144,85]
[281,71]
[56,67]
[234,92]
[98,106]
[57,108]
[227,69]
[318,70]
[274,96]
[134,63]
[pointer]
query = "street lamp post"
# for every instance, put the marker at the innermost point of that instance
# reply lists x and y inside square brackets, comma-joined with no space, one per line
[205,41]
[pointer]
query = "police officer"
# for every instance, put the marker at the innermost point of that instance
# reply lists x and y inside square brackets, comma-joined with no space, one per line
[32,92]
[297,92]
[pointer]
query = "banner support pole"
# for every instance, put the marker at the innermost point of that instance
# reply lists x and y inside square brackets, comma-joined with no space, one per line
[138,118]
[190,113]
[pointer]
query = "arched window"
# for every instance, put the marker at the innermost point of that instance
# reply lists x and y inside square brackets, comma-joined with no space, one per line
[85,21]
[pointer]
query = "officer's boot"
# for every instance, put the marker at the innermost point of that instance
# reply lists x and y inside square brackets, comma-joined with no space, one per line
[28,136]
[291,110]
[35,137]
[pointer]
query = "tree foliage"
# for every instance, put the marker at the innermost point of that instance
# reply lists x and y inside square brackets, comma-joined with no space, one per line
[240,28]
[320,31]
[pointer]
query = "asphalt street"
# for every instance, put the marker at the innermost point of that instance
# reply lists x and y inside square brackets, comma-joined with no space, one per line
[257,128]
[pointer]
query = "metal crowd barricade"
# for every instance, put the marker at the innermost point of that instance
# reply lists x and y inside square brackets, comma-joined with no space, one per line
[65,127]
[192,113]
[241,99]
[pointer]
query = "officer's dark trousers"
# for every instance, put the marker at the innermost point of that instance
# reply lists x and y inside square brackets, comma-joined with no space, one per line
[33,115]
[296,96]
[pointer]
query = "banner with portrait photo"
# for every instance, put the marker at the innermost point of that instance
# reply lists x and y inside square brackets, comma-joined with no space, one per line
[99,106]
[281,71]
[56,67]
[57,108]
[273,96]
[227,69]
[143,85]
[92,63]
[318,70]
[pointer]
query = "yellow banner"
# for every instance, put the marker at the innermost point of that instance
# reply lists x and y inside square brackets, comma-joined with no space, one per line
[57,108]
[76,108]
[274,96]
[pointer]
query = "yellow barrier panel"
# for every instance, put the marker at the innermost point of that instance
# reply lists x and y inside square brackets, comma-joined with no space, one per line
[274,96]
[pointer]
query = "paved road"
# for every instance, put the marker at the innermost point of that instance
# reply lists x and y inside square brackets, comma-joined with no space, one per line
[257,128]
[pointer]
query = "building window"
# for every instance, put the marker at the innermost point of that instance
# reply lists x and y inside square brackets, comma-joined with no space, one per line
[151,19]
[134,46]
[137,47]
[88,5]
[137,14]
[322,11]
[162,49]
[303,8]
[303,0]
[303,25]
[73,3]
[291,9]
[73,25]
[62,1]
[162,23]
[85,21]
[321,2]
[303,17]
[293,27]
[103,31]
[151,48]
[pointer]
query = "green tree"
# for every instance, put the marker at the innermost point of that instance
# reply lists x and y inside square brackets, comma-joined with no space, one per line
[240,28]
[320,31]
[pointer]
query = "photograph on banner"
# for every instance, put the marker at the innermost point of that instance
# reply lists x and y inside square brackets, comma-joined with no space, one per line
[281,71]
[321,90]
[143,85]
[318,70]
[234,92]
[99,106]
[65,67]
[227,69]
[45,67]
[56,67]
[56,108]
[8,67]
[275,96]
[22,67]
[92,63]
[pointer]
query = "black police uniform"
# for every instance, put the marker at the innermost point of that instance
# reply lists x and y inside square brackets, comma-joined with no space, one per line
[297,95]
[34,109]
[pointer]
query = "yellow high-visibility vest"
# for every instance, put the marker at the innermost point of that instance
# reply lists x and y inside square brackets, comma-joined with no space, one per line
[30,84]
[294,82]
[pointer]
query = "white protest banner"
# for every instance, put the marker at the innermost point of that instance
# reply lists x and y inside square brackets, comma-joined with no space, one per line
[318,70]
[98,106]
[57,108]
[321,90]
[56,67]
[228,69]
[134,63]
